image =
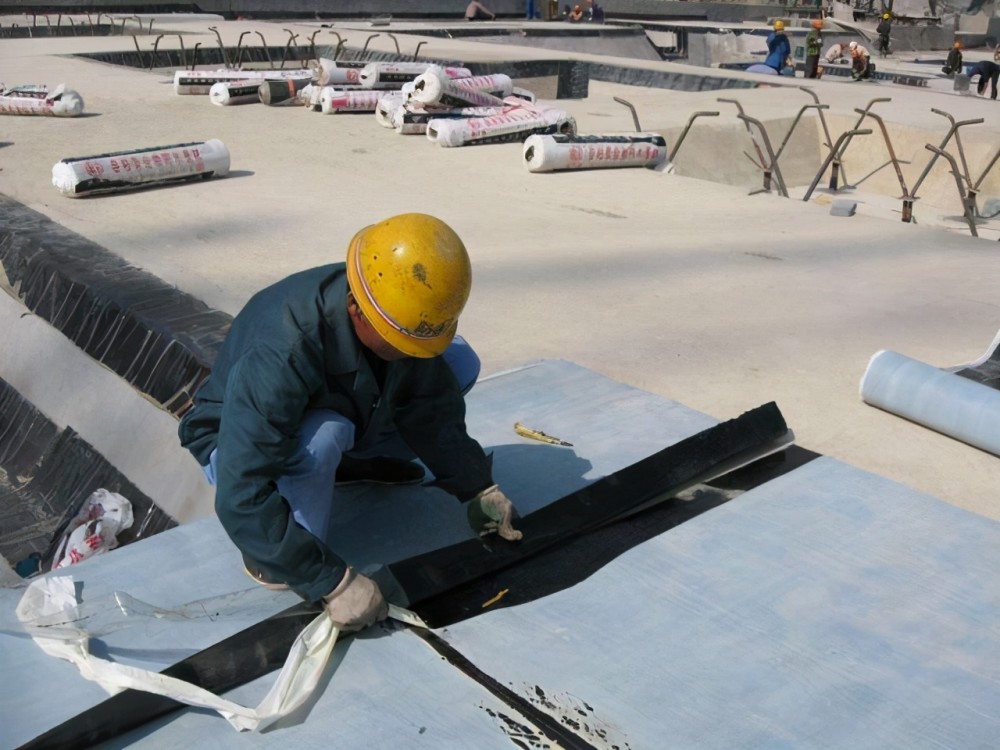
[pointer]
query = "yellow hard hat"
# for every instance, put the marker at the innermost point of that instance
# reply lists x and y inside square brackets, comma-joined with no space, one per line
[779,25]
[410,276]
[885,16]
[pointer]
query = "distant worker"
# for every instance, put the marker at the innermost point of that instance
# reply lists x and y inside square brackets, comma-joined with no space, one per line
[476,11]
[778,47]
[596,12]
[883,30]
[988,72]
[861,64]
[837,53]
[576,15]
[954,62]
[322,379]
[814,45]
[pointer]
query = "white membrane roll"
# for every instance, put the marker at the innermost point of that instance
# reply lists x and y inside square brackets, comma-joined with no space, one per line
[228,93]
[945,402]
[127,170]
[38,100]
[388,75]
[333,73]
[528,96]
[548,153]
[412,120]
[200,82]
[387,105]
[514,124]
[364,100]
[435,88]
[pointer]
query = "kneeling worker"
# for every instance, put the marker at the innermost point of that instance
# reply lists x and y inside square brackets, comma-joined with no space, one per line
[861,67]
[321,377]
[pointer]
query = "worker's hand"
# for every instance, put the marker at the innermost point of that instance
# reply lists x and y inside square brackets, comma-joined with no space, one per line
[356,603]
[490,512]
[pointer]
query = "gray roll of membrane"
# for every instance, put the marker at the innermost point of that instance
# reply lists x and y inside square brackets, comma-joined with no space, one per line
[548,153]
[943,401]
[285,92]
[128,170]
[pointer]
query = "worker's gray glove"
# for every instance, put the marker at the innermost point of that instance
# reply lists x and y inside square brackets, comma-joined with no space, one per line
[356,603]
[490,512]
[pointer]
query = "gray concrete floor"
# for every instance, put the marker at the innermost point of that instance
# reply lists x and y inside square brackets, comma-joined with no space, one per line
[674,283]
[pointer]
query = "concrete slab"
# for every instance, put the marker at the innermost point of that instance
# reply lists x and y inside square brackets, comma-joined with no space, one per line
[694,290]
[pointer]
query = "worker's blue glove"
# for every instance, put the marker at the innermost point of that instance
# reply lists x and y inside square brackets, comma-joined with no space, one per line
[490,512]
[356,603]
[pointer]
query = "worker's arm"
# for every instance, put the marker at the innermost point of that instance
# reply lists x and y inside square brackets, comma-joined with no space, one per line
[431,419]
[429,412]
[266,396]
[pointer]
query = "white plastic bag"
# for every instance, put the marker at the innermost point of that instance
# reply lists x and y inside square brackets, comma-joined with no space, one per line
[95,528]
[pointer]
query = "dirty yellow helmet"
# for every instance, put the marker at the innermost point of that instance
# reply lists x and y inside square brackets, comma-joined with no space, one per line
[410,276]
[779,25]
[885,16]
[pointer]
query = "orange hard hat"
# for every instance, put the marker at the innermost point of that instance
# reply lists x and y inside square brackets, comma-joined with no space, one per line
[817,23]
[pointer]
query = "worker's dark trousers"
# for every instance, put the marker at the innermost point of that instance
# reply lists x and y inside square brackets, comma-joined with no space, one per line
[325,436]
[812,63]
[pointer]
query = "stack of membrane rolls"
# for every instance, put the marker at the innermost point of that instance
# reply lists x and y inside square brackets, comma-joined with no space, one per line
[447,103]
[469,111]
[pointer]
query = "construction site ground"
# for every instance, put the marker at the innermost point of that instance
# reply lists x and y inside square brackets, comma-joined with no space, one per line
[690,283]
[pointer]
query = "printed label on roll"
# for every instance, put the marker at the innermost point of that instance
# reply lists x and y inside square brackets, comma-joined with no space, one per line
[333,101]
[547,153]
[127,170]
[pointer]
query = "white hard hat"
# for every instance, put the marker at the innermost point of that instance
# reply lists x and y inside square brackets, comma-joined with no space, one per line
[853,45]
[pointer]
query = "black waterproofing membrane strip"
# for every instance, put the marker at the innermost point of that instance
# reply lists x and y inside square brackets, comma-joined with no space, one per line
[427,575]
[159,339]
[262,648]
[986,372]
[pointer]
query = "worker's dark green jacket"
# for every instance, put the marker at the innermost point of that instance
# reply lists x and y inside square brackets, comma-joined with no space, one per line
[293,348]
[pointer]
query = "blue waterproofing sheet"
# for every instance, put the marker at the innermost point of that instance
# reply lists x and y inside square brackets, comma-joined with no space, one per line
[611,426]
[828,608]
